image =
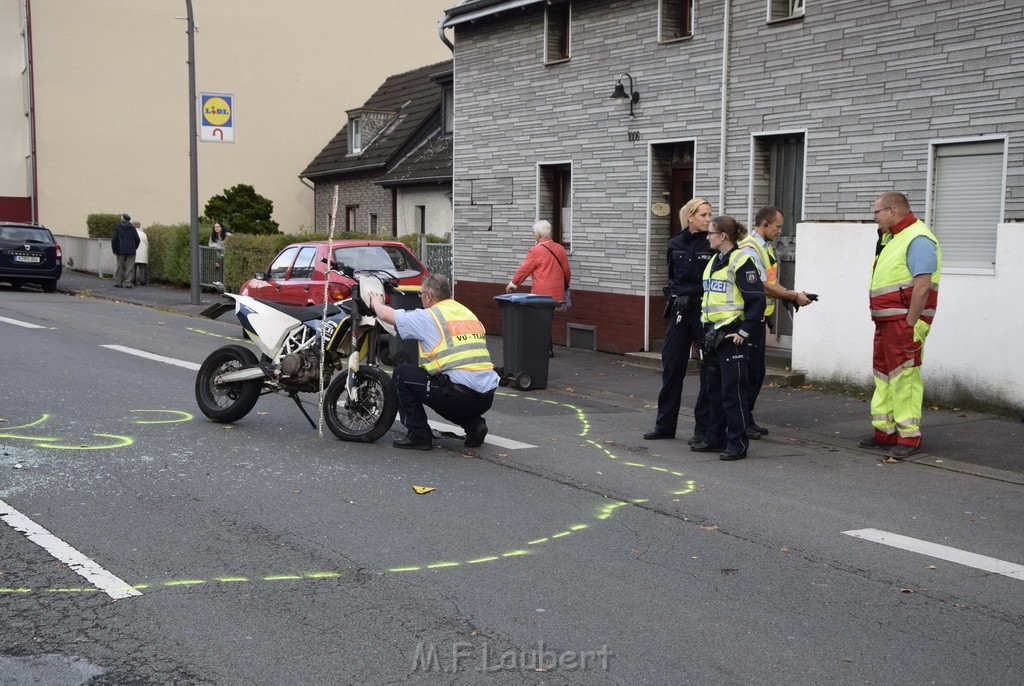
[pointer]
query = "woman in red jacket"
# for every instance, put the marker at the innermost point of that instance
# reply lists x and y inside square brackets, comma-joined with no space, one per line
[547,263]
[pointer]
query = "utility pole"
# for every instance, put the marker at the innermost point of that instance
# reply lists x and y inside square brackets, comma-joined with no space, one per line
[193,154]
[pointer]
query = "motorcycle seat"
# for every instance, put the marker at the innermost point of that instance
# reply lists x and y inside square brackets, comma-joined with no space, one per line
[303,314]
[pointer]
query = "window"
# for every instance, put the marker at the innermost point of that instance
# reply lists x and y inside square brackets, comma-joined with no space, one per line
[556,31]
[554,200]
[303,268]
[355,135]
[675,19]
[785,9]
[421,218]
[967,201]
[350,217]
[279,269]
[373,224]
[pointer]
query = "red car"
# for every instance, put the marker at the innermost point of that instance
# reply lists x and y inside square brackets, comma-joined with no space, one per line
[296,275]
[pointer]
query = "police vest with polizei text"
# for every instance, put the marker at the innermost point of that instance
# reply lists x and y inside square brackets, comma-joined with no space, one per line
[463,342]
[723,300]
[771,266]
[891,280]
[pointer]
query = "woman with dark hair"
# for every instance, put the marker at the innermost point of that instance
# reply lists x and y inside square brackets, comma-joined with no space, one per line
[732,306]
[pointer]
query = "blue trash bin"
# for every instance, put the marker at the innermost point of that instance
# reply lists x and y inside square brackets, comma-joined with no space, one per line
[526,319]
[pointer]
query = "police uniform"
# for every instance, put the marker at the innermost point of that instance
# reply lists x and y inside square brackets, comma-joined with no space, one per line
[733,303]
[688,255]
[455,376]
[767,265]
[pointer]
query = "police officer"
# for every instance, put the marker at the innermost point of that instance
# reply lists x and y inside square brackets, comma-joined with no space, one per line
[455,376]
[759,244]
[733,306]
[688,254]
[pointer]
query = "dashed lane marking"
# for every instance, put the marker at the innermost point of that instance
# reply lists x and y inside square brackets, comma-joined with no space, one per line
[150,356]
[942,552]
[79,563]
[22,324]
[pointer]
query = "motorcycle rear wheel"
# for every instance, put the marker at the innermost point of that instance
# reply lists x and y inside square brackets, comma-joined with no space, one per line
[373,413]
[228,402]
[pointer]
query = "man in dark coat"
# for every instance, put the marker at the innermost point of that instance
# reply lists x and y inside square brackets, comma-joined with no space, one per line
[124,243]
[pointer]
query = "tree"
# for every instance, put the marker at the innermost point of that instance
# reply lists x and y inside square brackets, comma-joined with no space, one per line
[241,210]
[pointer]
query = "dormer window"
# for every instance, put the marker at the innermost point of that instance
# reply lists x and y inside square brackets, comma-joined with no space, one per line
[355,135]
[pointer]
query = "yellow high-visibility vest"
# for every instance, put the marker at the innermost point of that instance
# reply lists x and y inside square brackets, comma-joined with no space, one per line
[463,342]
[771,267]
[723,300]
[891,280]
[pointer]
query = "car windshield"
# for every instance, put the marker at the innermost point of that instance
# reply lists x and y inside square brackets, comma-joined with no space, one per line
[24,234]
[391,258]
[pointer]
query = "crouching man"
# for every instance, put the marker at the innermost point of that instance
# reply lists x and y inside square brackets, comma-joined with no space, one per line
[455,376]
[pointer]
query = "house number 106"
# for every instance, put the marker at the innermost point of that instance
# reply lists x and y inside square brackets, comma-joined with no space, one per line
[633,135]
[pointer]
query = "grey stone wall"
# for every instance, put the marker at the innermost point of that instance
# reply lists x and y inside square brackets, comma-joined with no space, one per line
[870,82]
[353,190]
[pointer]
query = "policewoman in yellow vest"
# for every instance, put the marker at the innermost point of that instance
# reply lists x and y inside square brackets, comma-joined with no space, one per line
[904,295]
[760,245]
[733,305]
[455,376]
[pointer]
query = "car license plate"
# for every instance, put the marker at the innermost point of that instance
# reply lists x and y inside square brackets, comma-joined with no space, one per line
[30,259]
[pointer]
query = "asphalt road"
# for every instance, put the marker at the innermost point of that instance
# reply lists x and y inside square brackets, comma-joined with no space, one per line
[565,550]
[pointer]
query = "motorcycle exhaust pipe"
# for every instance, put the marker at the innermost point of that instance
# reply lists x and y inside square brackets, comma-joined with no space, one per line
[240,375]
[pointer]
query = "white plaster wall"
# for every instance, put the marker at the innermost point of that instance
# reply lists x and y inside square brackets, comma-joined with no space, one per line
[438,209]
[972,350]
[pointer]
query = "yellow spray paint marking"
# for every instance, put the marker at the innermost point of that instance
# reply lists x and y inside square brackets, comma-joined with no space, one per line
[183,583]
[180,417]
[216,335]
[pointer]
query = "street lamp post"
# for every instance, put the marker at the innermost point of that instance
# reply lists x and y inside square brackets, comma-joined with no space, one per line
[193,153]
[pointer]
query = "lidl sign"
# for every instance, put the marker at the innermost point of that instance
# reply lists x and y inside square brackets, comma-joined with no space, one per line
[217,118]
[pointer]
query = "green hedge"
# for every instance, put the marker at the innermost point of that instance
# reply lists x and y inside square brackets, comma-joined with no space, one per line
[102,225]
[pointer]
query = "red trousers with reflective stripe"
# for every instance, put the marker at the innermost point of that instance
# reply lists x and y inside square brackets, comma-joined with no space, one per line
[899,392]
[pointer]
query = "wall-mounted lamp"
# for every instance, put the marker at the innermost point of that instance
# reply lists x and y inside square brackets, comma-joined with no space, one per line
[620,92]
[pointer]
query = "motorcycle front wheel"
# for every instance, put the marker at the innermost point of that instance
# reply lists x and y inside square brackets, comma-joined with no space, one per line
[227,403]
[372,413]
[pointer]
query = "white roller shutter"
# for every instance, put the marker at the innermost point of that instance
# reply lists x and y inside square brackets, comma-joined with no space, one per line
[967,201]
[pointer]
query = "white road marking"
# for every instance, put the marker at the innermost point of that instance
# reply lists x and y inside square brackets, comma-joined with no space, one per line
[24,324]
[80,564]
[150,356]
[492,439]
[942,552]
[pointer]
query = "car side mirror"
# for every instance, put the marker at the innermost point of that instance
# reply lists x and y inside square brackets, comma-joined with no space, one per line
[262,276]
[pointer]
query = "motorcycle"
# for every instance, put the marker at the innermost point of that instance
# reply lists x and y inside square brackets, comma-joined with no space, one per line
[301,348]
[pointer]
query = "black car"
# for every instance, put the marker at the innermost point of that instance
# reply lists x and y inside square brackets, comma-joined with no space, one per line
[29,254]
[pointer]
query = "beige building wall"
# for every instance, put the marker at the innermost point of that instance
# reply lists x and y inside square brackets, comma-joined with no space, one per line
[111,96]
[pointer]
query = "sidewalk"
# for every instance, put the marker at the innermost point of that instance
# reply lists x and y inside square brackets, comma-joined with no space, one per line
[962,441]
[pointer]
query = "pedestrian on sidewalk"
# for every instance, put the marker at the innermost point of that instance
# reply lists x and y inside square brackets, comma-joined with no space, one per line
[124,243]
[733,306]
[688,255]
[455,376]
[548,265]
[141,274]
[760,245]
[904,294]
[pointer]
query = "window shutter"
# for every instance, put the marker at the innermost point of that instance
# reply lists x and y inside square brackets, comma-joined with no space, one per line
[967,199]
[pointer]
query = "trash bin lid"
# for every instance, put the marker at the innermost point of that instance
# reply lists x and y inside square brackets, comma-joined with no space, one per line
[529,299]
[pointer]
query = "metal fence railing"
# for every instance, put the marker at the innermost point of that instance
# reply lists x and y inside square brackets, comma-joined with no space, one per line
[438,258]
[211,266]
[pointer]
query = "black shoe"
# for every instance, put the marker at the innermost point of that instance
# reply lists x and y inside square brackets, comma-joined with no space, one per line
[758,428]
[657,435]
[870,442]
[128,285]
[703,447]
[406,444]
[732,455]
[475,438]
[694,440]
[753,434]
[117,285]
[900,452]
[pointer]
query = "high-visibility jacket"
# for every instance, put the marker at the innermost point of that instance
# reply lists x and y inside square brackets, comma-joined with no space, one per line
[891,280]
[463,342]
[771,266]
[723,301]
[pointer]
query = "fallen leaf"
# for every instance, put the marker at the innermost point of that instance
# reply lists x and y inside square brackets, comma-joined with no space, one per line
[932,567]
[423,489]
[709,527]
[228,427]
[906,590]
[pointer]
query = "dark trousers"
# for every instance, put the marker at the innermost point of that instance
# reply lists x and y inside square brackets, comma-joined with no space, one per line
[459,407]
[755,346]
[727,395]
[675,358]
[139,275]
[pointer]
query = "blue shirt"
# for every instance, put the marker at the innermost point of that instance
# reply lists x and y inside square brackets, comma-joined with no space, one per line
[420,325]
[921,256]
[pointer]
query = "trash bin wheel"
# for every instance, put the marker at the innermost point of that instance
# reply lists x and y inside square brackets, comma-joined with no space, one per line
[503,381]
[401,358]
[523,381]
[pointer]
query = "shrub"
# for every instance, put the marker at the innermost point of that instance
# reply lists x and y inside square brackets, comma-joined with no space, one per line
[242,210]
[102,225]
[412,241]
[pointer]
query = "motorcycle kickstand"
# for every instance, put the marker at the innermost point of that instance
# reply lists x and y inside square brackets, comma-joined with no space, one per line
[295,397]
